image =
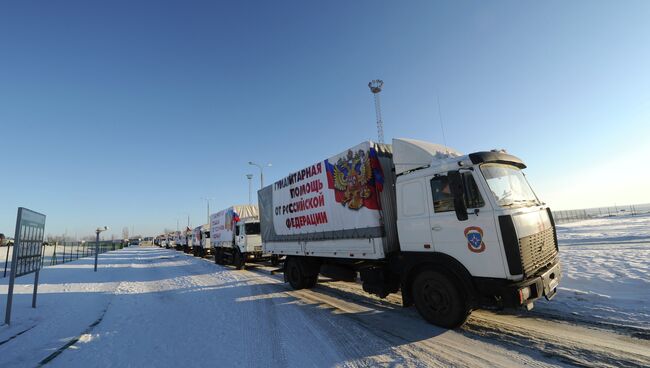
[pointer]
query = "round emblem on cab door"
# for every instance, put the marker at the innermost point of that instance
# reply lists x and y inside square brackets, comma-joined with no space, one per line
[474,235]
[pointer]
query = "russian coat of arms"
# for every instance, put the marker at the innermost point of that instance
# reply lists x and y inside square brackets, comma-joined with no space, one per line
[352,176]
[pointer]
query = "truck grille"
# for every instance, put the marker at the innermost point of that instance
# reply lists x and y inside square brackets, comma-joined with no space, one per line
[537,251]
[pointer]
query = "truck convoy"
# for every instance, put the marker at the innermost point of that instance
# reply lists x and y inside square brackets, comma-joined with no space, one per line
[235,236]
[452,232]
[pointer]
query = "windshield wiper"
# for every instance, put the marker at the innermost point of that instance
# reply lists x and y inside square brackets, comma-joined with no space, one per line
[509,204]
[533,201]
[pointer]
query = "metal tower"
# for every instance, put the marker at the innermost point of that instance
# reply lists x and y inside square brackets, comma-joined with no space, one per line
[375,87]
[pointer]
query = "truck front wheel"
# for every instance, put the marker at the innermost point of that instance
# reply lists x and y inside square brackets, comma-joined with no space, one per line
[439,300]
[238,259]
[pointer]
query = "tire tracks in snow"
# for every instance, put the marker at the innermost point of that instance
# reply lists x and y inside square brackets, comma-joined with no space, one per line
[74,340]
[71,342]
[368,334]
[551,341]
[575,345]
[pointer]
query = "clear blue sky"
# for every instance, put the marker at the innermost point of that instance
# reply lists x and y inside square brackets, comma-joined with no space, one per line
[126,113]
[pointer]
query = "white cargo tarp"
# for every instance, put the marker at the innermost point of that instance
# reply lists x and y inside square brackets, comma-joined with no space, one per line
[196,236]
[339,193]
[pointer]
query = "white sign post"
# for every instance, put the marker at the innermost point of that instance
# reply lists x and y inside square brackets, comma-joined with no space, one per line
[28,251]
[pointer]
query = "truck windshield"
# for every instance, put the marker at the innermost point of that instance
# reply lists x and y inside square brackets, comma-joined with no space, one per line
[509,186]
[253,228]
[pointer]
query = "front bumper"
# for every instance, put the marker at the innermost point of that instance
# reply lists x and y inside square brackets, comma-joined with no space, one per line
[543,284]
[504,293]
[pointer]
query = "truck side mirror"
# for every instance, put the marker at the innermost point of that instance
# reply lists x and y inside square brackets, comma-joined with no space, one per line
[457,189]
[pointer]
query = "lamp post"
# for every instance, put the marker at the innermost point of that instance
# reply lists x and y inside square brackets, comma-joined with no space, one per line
[207,200]
[97,231]
[249,177]
[261,167]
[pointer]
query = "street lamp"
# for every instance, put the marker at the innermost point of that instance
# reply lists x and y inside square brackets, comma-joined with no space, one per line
[207,200]
[249,176]
[97,231]
[261,167]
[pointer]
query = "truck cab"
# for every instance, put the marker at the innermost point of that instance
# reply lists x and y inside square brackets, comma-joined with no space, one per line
[206,248]
[201,241]
[476,220]
[247,236]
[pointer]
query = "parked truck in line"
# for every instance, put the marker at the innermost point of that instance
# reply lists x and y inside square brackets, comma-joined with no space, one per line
[201,241]
[180,240]
[235,236]
[452,232]
[170,240]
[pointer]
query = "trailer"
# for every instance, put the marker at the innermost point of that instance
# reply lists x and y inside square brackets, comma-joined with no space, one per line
[451,232]
[235,236]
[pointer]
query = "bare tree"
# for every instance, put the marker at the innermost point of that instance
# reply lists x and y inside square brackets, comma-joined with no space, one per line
[125,232]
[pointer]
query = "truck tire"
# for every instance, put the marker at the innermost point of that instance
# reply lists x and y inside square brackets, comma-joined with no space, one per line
[238,259]
[275,260]
[218,256]
[296,276]
[439,300]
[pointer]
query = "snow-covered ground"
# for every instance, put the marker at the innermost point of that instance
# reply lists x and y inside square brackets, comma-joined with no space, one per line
[606,271]
[156,307]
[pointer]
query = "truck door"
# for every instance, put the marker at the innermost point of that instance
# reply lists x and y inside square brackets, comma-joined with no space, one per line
[472,242]
[413,216]
[240,238]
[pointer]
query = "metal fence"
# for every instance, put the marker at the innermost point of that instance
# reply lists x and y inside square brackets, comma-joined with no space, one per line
[60,252]
[565,216]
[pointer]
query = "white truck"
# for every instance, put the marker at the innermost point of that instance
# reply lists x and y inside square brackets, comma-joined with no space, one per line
[180,240]
[235,236]
[170,241]
[201,241]
[196,241]
[452,232]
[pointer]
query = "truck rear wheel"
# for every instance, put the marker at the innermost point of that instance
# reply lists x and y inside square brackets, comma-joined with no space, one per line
[275,260]
[296,275]
[218,256]
[439,300]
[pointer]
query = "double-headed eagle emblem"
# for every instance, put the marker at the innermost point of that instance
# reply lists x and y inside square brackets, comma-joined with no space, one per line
[351,176]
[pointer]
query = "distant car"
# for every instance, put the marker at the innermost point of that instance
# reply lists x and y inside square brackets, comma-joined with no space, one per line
[134,242]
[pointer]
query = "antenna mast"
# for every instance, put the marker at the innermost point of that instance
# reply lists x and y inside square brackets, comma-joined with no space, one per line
[375,87]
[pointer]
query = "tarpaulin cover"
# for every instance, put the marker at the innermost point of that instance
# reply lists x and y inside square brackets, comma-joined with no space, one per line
[350,195]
